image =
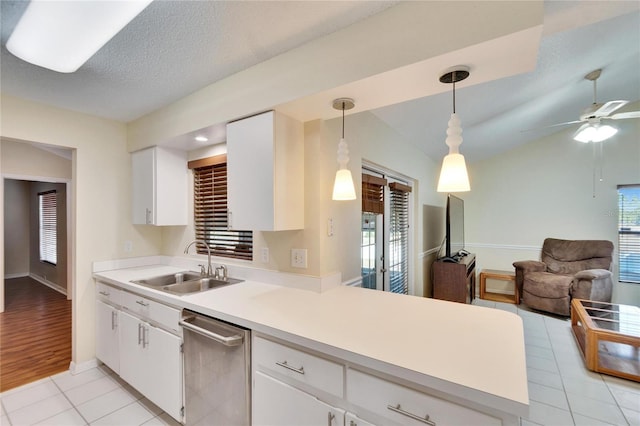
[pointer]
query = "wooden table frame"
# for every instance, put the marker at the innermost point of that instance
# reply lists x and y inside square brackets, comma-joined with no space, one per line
[591,338]
[498,275]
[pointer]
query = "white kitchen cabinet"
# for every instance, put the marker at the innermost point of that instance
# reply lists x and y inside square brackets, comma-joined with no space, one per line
[151,362]
[265,173]
[159,186]
[351,419]
[107,346]
[392,403]
[277,403]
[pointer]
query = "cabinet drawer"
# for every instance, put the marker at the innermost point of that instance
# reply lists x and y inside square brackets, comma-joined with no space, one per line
[406,406]
[300,366]
[108,294]
[159,313]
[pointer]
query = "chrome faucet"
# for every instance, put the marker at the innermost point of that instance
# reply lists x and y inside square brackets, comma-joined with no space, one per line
[221,273]
[186,250]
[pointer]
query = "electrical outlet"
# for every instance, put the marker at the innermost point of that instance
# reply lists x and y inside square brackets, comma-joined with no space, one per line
[298,258]
[128,246]
[265,254]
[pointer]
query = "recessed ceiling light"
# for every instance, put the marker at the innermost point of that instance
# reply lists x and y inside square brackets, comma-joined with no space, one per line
[201,138]
[63,35]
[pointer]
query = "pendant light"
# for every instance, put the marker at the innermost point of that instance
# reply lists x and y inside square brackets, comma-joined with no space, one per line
[453,175]
[343,188]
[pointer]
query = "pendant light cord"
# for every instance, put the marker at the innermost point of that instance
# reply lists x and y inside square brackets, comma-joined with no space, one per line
[343,106]
[454,92]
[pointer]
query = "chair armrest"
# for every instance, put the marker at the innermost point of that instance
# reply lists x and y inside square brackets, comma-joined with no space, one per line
[593,274]
[530,265]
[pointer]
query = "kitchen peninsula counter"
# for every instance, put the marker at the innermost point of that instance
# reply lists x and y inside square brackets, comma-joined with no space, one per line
[472,355]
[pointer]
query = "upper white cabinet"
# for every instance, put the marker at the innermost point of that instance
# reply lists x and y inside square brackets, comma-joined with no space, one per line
[265,173]
[159,186]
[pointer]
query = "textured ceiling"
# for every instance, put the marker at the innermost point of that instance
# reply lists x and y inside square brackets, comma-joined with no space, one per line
[174,48]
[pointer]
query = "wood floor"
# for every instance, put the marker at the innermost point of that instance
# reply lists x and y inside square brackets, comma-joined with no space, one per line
[35,333]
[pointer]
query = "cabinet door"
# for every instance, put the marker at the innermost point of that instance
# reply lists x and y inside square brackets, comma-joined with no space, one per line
[143,186]
[351,419]
[133,365]
[164,364]
[276,403]
[151,362]
[107,335]
[250,173]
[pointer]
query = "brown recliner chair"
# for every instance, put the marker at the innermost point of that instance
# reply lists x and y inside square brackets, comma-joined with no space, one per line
[569,269]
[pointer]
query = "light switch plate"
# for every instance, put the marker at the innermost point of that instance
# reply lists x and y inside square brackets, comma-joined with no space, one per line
[298,258]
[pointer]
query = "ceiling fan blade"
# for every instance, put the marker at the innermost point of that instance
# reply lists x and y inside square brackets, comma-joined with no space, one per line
[623,115]
[609,107]
[566,123]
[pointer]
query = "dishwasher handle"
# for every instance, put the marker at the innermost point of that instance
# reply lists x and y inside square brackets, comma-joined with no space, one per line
[235,340]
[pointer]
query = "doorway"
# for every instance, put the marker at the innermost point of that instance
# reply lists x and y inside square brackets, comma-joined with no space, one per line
[385,225]
[37,283]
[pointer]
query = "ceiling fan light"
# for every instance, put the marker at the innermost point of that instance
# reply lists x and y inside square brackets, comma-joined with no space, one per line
[593,133]
[63,35]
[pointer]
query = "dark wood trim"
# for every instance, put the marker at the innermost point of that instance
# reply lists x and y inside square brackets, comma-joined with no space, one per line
[209,161]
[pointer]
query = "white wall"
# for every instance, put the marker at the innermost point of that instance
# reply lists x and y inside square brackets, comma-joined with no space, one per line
[545,189]
[16,228]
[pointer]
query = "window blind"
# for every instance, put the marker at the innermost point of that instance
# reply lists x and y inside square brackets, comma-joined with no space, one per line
[373,194]
[48,225]
[211,215]
[399,237]
[629,233]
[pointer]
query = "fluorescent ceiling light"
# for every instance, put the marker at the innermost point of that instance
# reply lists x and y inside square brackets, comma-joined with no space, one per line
[63,35]
[594,133]
[201,138]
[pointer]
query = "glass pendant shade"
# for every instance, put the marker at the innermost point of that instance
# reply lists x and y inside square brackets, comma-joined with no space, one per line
[63,35]
[453,175]
[343,188]
[594,133]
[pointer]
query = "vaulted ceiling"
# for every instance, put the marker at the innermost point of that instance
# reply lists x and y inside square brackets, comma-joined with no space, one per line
[174,48]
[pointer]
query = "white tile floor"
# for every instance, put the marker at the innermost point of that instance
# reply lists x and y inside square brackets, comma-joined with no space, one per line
[94,397]
[561,391]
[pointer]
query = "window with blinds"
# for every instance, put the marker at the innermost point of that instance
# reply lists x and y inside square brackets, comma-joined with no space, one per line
[373,194]
[48,226]
[211,214]
[629,233]
[399,237]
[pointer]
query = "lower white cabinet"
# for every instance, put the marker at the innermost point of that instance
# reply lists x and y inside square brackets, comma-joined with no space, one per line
[351,419]
[152,363]
[107,341]
[277,403]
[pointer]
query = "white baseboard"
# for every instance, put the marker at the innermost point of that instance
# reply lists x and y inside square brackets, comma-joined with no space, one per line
[355,282]
[50,284]
[76,368]
[16,275]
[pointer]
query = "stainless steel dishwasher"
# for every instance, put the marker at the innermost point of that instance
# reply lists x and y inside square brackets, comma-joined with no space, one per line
[217,372]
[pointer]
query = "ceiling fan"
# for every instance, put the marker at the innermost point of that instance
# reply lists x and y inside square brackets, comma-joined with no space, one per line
[592,129]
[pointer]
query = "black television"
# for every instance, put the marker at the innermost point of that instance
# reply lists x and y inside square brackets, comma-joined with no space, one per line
[455,228]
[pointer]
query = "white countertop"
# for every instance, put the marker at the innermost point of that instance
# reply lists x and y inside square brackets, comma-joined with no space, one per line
[476,354]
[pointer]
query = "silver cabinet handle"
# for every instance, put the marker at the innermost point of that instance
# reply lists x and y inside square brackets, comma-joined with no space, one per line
[114,322]
[104,293]
[288,367]
[234,340]
[330,418]
[139,333]
[148,215]
[399,410]
[141,302]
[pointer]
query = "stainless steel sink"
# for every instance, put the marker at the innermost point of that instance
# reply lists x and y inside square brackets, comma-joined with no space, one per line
[185,283]
[198,285]
[163,280]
